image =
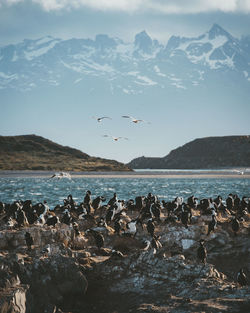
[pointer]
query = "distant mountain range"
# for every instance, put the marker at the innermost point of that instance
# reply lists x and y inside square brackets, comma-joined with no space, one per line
[31,152]
[116,67]
[203,153]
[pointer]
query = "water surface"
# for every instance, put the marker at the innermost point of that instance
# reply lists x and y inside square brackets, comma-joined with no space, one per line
[38,189]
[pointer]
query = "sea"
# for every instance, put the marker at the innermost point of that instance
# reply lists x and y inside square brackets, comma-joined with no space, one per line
[54,191]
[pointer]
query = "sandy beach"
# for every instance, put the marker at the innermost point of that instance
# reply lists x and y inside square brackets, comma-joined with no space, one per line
[135,174]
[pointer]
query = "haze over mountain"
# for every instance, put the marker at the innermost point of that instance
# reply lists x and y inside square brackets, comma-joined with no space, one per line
[211,152]
[186,88]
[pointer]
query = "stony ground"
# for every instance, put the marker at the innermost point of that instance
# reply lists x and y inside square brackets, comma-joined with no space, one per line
[64,273]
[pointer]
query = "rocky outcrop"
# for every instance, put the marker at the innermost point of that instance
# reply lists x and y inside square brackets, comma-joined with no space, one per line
[203,153]
[13,294]
[67,273]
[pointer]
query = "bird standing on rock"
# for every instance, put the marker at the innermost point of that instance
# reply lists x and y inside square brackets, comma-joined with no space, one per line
[235,225]
[117,227]
[29,240]
[241,278]
[151,227]
[212,225]
[202,252]
[99,239]
[156,244]
[185,216]
[76,229]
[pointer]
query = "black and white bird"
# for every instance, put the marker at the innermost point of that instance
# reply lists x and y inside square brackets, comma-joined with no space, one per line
[99,119]
[116,254]
[185,216]
[99,239]
[212,225]
[155,211]
[156,244]
[202,252]
[134,120]
[241,278]
[235,225]
[29,240]
[76,229]
[151,227]
[46,250]
[117,227]
[131,228]
[52,220]
[145,245]
[110,215]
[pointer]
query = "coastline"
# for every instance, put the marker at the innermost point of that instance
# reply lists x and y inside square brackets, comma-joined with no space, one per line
[135,174]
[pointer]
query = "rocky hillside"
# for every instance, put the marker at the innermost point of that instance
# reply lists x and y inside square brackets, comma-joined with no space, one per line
[210,152]
[31,152]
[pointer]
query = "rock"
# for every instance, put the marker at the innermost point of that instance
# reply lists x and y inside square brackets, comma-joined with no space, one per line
[187,243]
[14,301]
[64,271]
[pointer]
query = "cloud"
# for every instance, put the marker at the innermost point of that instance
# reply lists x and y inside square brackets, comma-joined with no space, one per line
[130,6]
[9,2]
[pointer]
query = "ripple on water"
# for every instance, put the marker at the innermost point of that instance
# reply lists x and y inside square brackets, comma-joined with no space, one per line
[166,188]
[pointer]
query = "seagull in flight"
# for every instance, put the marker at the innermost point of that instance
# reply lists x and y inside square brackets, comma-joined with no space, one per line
[61,175]
[115,138]
[99,119]
[242,172]
[134,120]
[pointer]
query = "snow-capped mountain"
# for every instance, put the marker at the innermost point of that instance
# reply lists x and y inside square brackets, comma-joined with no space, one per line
[126,68]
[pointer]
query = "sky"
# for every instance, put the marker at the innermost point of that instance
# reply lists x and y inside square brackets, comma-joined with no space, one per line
[32,19]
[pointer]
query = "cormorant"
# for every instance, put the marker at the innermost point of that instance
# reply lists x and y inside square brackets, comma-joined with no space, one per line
[151,227]
[212,224]
[29,240]
[99,239]
[202,252]
[235,225]
[241,278]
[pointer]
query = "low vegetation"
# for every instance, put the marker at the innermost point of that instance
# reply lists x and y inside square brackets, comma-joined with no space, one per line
[31,152]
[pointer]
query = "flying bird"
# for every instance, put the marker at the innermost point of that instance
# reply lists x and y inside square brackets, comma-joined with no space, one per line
[61,175]
[134,120]
[240,172]
[115,138]
[99,119]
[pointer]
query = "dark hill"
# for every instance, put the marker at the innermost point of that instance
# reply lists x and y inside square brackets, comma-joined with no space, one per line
[31,152]
[209,152]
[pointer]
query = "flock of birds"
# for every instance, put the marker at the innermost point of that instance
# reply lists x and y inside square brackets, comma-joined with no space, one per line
[133,119]
[145,213]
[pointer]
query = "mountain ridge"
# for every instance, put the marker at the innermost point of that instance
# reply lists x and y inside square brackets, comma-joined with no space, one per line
[202,153]
[127,67]
[32,152]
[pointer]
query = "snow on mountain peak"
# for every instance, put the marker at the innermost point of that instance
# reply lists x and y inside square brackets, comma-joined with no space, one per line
[130,66]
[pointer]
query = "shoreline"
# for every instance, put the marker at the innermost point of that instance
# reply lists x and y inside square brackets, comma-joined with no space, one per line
[136,174]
